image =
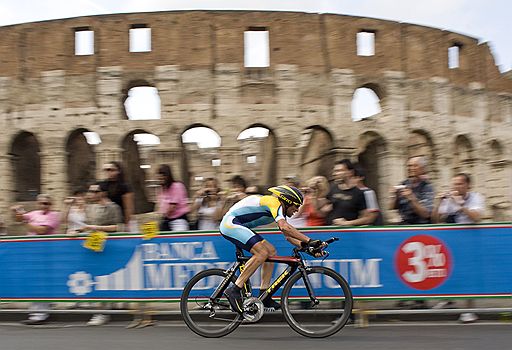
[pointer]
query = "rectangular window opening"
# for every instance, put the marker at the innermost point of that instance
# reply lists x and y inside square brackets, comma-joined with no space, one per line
[453,57]
[365,43]
[256,48]
[84,41]
[140,38]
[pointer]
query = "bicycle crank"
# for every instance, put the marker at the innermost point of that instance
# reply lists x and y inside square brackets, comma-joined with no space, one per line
[253,310]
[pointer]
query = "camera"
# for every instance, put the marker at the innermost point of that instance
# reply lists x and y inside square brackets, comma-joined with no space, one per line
[400,187]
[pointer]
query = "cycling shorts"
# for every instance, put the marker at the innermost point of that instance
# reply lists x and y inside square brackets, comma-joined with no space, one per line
[241,236]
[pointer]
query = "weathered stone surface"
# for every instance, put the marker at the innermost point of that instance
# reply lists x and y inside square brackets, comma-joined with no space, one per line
[460,118]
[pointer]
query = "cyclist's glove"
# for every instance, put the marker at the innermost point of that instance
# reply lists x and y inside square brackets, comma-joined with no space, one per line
[312,243]
[313,247]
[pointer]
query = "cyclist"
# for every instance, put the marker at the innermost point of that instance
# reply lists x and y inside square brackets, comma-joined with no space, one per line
[258,210]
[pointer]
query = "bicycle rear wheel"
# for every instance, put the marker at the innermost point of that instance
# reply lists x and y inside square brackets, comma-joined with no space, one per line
[334,303]
[211,318]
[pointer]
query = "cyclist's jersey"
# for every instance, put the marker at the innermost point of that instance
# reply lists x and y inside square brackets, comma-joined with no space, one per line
[256,210]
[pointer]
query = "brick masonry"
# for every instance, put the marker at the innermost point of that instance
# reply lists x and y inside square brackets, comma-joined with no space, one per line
[460,118]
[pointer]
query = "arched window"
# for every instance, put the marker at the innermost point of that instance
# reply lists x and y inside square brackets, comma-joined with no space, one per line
[26,166]
[202,136]
[139,160]
[365,103]
[142,103]
[81,159]
[258,145]
[317,158]
[201,157]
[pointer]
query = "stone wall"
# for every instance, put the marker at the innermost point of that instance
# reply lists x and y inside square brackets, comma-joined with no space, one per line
[460,118]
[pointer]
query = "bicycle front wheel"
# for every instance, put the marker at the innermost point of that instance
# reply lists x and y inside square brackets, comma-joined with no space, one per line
[208,317]
[329,314]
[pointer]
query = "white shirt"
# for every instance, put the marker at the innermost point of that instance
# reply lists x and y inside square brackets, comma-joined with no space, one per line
[474,201]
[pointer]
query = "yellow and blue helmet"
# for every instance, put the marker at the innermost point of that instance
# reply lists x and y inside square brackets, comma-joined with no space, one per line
[289,194]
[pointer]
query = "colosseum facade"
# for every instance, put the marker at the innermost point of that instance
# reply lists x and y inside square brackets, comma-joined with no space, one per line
[459,117]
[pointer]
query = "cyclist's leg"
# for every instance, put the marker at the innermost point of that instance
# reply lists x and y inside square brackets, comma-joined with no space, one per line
[266,276]
[248,240]
[268,267]
[260,253]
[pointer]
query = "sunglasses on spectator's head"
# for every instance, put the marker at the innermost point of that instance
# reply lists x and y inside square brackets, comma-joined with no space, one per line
[45,203]
[94,191]
[109,169]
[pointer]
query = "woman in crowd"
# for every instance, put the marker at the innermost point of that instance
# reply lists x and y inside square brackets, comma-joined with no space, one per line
[172,201]
[207,205]
[316,206]
[73,214]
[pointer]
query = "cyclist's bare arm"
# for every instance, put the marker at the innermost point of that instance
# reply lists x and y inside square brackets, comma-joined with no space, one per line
[291,233]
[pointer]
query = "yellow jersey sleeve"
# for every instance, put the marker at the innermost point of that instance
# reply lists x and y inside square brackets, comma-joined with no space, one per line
[274,205]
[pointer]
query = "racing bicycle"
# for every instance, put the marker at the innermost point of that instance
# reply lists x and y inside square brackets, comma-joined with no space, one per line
[316,301]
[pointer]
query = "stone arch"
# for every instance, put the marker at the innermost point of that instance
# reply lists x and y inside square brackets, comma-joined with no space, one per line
[264,171]
[317,154]
[420,143]
[154,102]
[81,161]
[497,199]
[463,155]
[366,101]
[197,161]
[135,175]
[372,153]
[496,150]
[26,166]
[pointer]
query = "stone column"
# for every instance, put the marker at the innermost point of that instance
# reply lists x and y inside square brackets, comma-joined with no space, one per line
[166,81]
[53,87]
[227,87]
[443,132]
[54,175]
[343,87]
[109,90]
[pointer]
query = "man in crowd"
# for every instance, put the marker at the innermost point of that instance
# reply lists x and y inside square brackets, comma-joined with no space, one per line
[101,215]
[346,200]
[43,221]
[461,206]
[414,199]
[414,196]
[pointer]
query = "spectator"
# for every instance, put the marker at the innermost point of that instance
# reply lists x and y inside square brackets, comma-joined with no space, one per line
[372,205]
[235,193]
[43,221]
[348,204]
[120,192]
[460,206]
[101,215]
[74,212]
[208,205]
[315,199]
[172,201]
[299,218]
[414,196]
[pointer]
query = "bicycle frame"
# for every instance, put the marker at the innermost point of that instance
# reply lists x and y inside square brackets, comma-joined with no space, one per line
[294,263]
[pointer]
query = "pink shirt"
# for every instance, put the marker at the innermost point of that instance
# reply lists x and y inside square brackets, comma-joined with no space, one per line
[175,194]
[38,218]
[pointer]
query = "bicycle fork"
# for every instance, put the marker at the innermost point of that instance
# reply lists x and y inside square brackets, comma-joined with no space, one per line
[314,301]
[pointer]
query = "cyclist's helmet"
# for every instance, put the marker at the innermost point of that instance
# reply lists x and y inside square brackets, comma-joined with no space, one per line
[289,194]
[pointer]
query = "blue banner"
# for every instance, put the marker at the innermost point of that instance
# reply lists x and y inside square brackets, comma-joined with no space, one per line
[395,262]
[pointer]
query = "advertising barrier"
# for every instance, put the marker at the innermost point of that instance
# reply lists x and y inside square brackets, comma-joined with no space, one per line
[385,262]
